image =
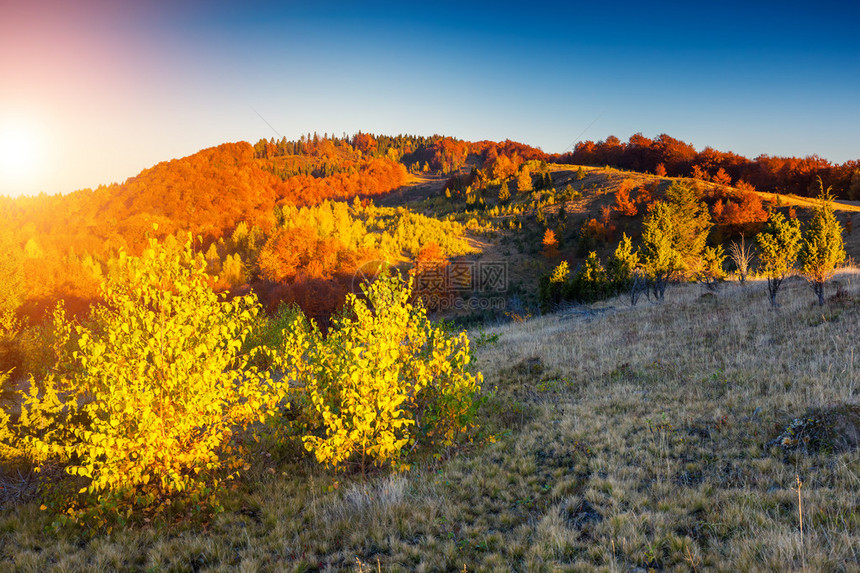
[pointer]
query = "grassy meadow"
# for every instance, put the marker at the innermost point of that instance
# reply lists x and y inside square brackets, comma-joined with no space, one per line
[613,438]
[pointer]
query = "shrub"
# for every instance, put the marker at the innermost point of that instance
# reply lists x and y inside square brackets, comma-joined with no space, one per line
[384,379]
[156,391]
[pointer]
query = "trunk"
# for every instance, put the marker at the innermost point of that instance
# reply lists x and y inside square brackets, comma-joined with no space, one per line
[772,288]
[818,287]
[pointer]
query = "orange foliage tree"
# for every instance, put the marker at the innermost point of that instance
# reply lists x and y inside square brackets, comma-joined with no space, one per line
[624,205]
[550,244]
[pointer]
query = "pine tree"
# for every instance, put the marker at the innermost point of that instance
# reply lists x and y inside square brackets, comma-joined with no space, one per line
[691,223]
[712,266]
[822,248]
[550,244]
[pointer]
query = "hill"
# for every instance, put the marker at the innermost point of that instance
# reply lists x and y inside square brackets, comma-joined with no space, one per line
[684,435]
[265,217]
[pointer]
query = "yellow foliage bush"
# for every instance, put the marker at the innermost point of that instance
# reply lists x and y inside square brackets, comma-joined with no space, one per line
[383,379]
[157,391]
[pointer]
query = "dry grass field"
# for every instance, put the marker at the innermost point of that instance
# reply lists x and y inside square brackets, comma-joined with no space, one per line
[624,439]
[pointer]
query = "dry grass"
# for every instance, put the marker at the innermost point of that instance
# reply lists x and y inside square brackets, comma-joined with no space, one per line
[628,439]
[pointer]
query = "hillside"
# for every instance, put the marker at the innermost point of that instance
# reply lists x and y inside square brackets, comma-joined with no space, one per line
[276,230]
[581,206]
[619,438]
[604,435]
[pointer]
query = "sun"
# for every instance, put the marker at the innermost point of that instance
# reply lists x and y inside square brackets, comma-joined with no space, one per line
[20,142]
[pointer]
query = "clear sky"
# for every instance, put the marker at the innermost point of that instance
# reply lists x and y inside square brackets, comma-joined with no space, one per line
[93,91]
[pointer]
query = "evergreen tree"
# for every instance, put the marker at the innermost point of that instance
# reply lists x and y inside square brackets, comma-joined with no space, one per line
[822,248]
[711,270]
[590,284]
[691,223]
[673,236]
[778,244]
[622,263]
[660,259]
[562,217]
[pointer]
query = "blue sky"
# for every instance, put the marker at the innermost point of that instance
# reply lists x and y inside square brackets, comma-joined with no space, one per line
[104,91]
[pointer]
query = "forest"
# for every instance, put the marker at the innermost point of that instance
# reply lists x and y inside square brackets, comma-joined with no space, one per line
[293,220]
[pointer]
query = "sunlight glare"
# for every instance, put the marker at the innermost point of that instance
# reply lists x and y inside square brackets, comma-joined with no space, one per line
[19,155]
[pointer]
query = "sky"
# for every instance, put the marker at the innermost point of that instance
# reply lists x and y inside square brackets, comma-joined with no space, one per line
[94,91]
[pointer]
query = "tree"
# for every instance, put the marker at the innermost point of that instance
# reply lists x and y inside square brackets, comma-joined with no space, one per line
[711,270]
[778,244]
[741,255]
[156,392]
[822,247]
[674,234]
[690,224]
[524,180]
[561,219]
[589,283]
[622,264]
[625,206]
[504,192]
[550,244]
[553,287]
[722,178]
[383,378]
[854,186]
[660,259]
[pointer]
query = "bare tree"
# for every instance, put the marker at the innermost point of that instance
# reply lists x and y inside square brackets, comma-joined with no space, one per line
[742,256]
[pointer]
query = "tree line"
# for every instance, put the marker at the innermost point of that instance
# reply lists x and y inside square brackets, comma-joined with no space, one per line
[675,246]
[665,155]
